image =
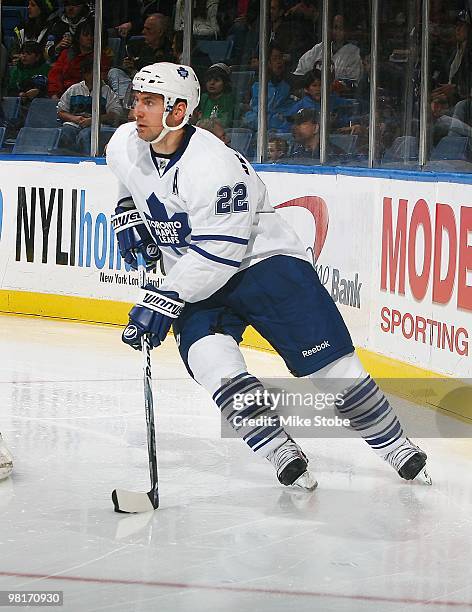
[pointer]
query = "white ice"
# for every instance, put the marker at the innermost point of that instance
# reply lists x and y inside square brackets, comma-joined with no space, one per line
[227,536]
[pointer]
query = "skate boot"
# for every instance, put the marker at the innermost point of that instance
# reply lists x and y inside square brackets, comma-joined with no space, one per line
[292,466]
[409,461]
[6,460]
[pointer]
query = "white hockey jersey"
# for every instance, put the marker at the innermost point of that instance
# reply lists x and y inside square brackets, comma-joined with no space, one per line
[204,206]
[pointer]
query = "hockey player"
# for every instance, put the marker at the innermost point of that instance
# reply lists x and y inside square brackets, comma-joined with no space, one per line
[231,261]
[6,460]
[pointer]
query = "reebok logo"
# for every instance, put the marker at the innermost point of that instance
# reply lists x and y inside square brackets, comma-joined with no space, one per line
[316,349]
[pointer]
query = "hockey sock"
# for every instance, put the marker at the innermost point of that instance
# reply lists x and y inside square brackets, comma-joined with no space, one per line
[371,415]
[247,408]
[363,403]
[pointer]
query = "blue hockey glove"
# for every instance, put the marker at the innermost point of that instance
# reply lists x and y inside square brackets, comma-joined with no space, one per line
[152,315]
[133,237]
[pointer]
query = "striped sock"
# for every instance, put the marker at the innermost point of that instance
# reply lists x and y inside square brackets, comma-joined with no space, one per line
[248,391]
[371,415]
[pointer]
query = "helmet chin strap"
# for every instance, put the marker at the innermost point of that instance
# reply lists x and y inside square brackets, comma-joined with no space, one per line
[166,129]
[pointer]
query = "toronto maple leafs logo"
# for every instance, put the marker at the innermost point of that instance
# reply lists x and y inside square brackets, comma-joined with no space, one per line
[183,72]
[166,231]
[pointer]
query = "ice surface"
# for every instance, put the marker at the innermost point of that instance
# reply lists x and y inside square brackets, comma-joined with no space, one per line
[227,536]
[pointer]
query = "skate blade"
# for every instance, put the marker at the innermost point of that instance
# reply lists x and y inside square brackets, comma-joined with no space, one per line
[306,481]
[424,477]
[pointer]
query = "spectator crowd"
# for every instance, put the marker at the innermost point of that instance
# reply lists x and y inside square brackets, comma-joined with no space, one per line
[47,54]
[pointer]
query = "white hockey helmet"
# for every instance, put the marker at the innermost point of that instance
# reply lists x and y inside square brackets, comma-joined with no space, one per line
[173,82]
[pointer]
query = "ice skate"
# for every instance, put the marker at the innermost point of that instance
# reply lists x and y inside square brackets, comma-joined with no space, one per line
[291,465]
[409,461]
[6,460]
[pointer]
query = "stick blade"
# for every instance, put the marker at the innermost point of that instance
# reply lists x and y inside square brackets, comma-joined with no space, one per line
[131,502]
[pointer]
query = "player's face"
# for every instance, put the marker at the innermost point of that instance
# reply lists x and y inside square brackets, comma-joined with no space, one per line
[148,110]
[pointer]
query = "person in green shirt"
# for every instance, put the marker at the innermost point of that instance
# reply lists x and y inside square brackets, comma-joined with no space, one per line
[23,81]
[218,100]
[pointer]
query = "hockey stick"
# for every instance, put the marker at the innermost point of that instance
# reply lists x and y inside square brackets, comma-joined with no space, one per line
[130,501]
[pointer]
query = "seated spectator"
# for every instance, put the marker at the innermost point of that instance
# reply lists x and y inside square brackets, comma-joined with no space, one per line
[155,47]
[462,112]
[339,108]
[23,81]
[137,13]
[443,124]
[36,27]
[64,26]
[75,110]
[388,127]
[278,96]
[344,55]
[28,80]
[205,24]
[215,127]
[306,133]
[276,149]
[455,79]
[217,102]
[66,71]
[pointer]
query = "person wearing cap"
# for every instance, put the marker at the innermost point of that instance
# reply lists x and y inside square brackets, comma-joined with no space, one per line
[65,25]
[306,133]
[36,27]
[455,79]
[218,100]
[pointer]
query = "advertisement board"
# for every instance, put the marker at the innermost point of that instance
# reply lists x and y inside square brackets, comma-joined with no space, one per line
[395,255]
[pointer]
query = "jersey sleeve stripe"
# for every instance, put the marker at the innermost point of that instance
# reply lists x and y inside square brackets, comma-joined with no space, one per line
[221,260]
[221,237]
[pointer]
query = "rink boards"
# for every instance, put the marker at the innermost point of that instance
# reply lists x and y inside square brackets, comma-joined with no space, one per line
[395,254]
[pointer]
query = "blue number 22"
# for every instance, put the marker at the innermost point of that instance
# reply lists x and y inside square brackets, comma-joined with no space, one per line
[232,200]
